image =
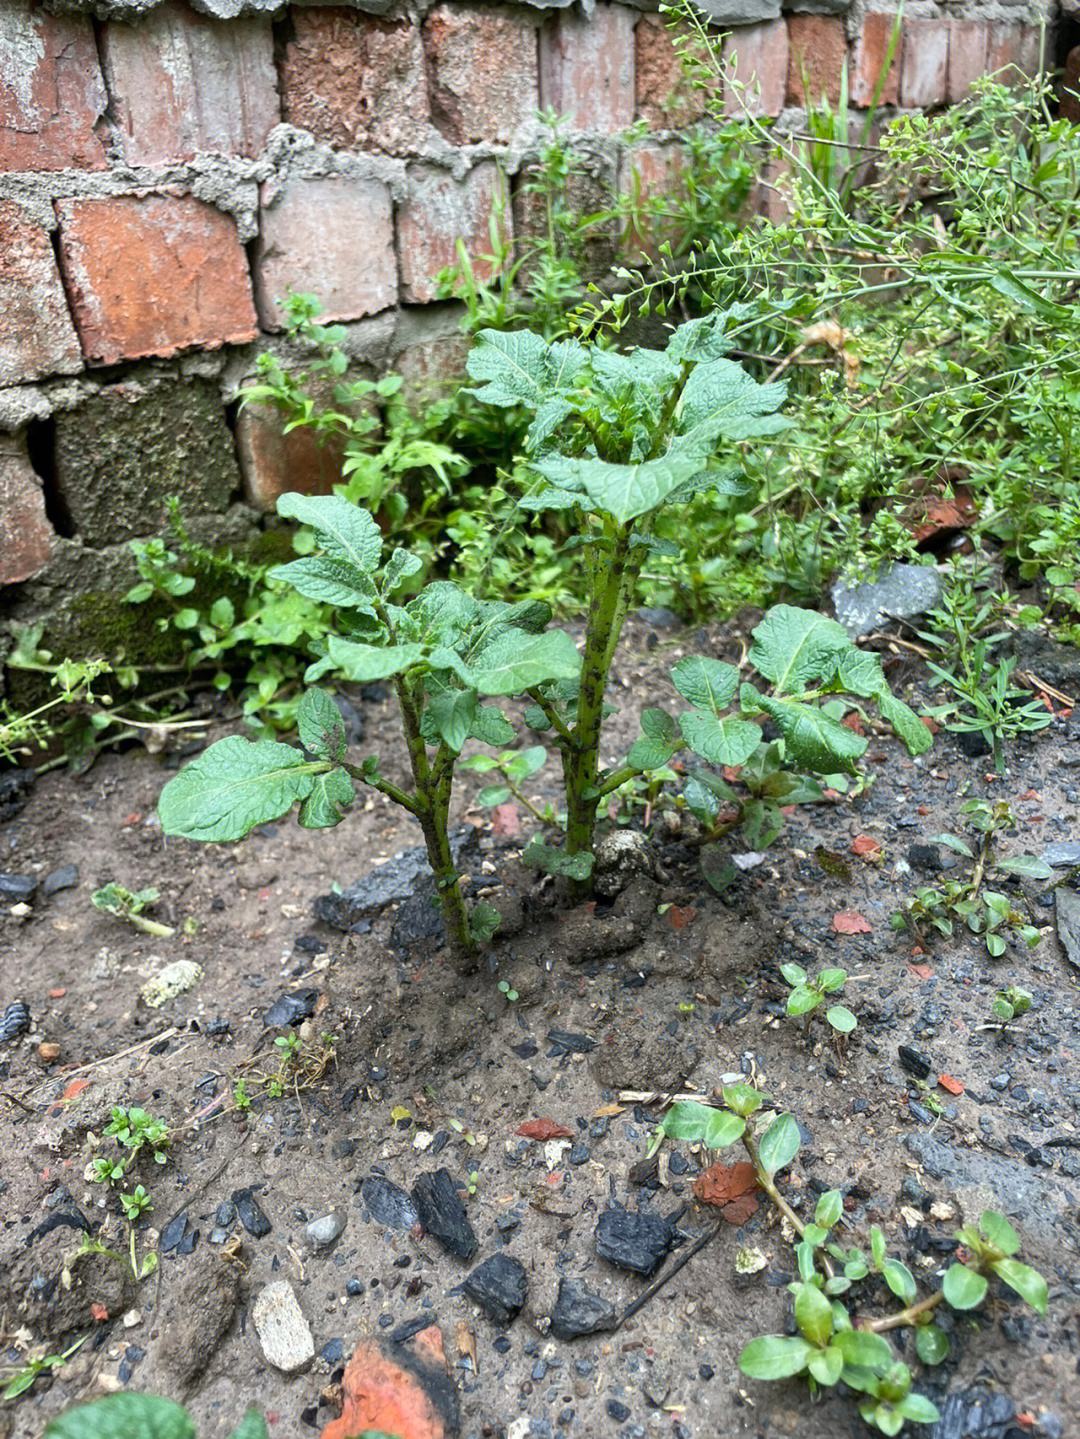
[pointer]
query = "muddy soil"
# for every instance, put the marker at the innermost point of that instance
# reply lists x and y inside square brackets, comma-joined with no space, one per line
[669,989]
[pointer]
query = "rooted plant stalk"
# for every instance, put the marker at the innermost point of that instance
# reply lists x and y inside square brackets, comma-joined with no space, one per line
[766,1182]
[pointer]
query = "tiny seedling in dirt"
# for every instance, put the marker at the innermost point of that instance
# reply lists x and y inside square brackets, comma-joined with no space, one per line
[129,905]
[24,1378]
[472,1183]
[140,1416]
[1007,1005]
[509,993]
[830,1344]
[808,995]
[507,772]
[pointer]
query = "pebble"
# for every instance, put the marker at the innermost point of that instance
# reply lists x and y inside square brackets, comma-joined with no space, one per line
[321,1233]
[442,1214]
[915,1061]
[66,877]
[18,888]
[500,1287]
[578,1311]
[632,1240]
[291,1008]
[388,1204]
[1000,1081]
[283,1331]
[250,1213]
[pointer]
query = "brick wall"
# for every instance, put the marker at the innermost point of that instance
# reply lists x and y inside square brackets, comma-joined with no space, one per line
[169,170]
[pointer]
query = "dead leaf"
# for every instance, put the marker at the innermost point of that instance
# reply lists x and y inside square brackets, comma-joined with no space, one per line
[608,1111]
[543,1129]
[850,921]
[866,847]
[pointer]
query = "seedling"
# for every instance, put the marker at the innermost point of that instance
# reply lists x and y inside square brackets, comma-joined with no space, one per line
[831,1346]
[1009,1004]
[24,1378]
[144,1414]
[128,905]
[135,1204]
[808,995]
[513,768]
[443,651]
[511,995]
[472,1182]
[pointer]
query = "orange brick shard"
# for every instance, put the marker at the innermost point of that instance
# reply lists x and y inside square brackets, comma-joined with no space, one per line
[152,275]
[410,1396]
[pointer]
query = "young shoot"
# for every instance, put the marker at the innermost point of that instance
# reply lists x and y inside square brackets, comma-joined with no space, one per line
[808,995]
[129,905]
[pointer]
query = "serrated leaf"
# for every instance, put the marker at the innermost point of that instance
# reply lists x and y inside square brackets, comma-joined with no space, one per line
[526,763]
[915,736]
[779,1144]
[484,920]
[345,531]
[400,567]
[123,1416]
[859,672]
[556,861]
[813,740]
[330,581]
[519,367]
[363,663]
[706,683]
[963,1287]
[1025,1281]
[515,661]
[490,726]
[720,741]
[720,400]
[330,796]
[775,1356]
[793,647]
[320,725]
[449,717]
[623,491]
[233,786]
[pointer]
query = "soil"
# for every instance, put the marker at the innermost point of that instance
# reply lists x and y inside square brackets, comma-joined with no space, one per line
[670,988]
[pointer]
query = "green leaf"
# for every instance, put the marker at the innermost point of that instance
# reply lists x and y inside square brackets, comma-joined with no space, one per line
[723,1128]
[900,1280]
[802,1000]
[814,741]
[123,1416]
[877,1246]
[484,920]
[363,663]
[556,861]
[963,1287]
[918,1409]
[779,1144]
[329,581]
[774,1356]
[793,647]
[720,400]
[687,1120]
[623,491]
[931,1343]
[252,1426]
[720,741]
[493,794]
[1007,284]
[829,1209]
[915,736]
[400,567]
[1027,1282]
[743,1099]
[707,684]
[1030,866]
[518,367]
[659,741]
[490,726]
[813,1314]
[450,715]
[999,1231]
[826,1366]
[330,796]
[345,531]
[955,843]
[841,1019]
[233,786]
[514,661]
[863,1350]
[322,730]
[793,973]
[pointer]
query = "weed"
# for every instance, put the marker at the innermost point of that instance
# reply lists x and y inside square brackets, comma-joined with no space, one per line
[24,1378]
[129,905]
[507,990]
[1009,1004]
[141,1414]
[808,995]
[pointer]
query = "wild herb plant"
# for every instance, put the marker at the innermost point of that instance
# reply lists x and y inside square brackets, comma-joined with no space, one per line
[1009,1004]
[444,653]
[808,995]
[26,1374]
[140,1416]
[831,1343]
[128,905]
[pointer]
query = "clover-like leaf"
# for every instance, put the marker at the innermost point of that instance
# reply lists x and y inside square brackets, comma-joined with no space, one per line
[233,786]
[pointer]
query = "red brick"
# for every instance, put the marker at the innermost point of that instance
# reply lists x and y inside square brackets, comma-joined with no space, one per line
[1012,48]
[757,58]
[153,274]
[1070,86]
[272,462]
[182,84]
[665,97]
[924,72]
[817,54]
[969,45]
[26,537]
[36,334]
[332,237]
[482,72]
[871,50]
[51,91]
[439,210]
[401,1393]
[587,68]
[355,81]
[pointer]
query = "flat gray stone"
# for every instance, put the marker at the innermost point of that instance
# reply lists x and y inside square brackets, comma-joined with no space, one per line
[321,1233]
[283,1331]
[740,12]
[900,590]
[1062,854]
[1067,915]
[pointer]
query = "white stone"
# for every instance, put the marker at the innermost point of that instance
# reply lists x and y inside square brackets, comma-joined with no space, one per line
[283,1331]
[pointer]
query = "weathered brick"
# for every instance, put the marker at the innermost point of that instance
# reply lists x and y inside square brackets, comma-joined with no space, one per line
[36,334]
[272,462]
[332,237]
[153,274]
[430,365]
[1013,48]
[127,448]
[817,53]
[438,211]
[1070,86]
[757,59]
[587,68]
[868,61]
[482,72]
[649,171]
[924,72]
[26,537]
[969,45]
[51,91]
[666,99]
[588,190]
[355,81]
[182,83]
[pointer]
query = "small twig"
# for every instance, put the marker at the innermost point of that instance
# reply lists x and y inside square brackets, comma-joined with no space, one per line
[669,1273]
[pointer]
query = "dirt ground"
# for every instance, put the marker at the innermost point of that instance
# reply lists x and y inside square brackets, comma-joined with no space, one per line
[671,989]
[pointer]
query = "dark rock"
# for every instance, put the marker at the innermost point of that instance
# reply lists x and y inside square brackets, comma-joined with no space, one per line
[1058,664]
[250,1213]
[419,919]
[972,744]
[173,1233]
[975,1414]
[500,1287]
[1067,917]
[291,1008]
[442,1213]
[15,787]
[1062,855]
[66,877]
[567,1041]
[17,888]
[14,1021]
[579,1154]
[391,883]
[1022,1194]
[618,1411]
[915,1061]
[931,858]
[577,1311]
[632,1240]
[388,1204]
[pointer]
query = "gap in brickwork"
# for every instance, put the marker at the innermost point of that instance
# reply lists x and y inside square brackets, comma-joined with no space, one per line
[41,452]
